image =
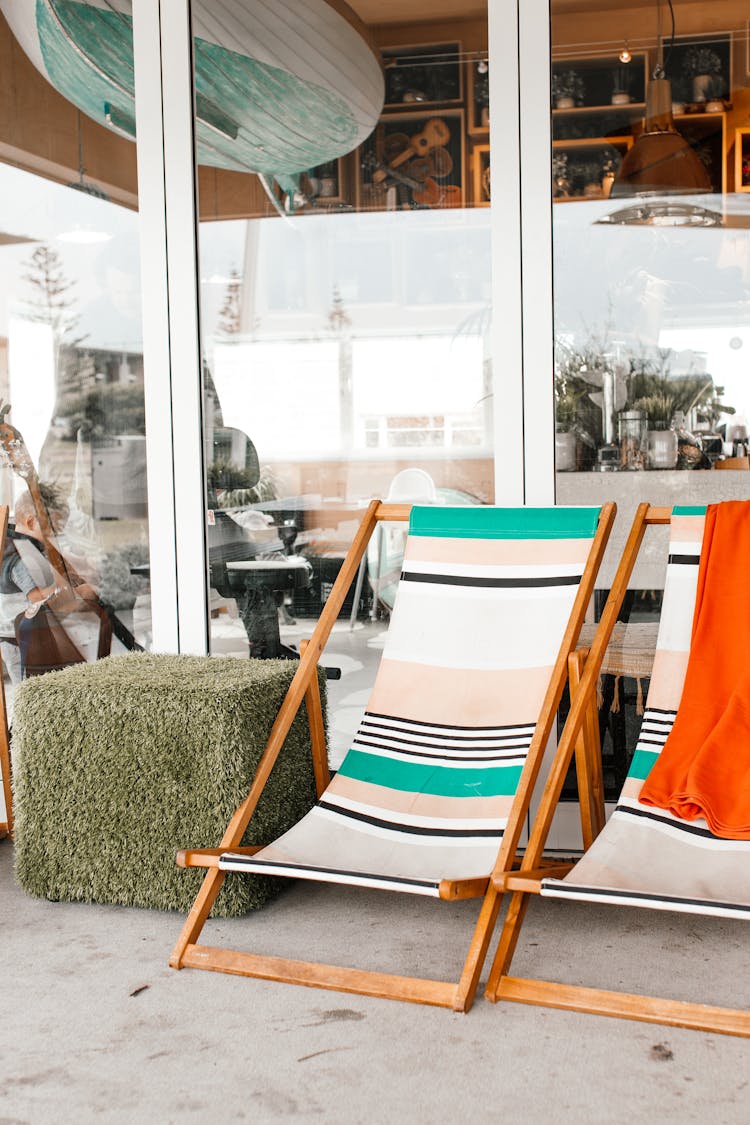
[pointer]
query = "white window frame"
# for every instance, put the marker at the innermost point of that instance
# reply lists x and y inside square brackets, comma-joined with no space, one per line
[521,333]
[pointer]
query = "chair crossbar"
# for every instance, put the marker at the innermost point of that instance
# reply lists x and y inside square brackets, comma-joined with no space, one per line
[648,1009]
[337,978]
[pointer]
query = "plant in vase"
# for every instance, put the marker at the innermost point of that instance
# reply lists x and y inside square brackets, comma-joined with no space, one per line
[567,89]
[560,181]
[482,93]
[621,80]
[702,67]
[662,397]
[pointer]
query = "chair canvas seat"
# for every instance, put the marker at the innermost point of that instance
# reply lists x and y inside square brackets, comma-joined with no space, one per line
[646,856]
[426,789]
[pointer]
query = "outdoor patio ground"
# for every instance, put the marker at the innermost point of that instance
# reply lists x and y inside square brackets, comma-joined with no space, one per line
[94,1026]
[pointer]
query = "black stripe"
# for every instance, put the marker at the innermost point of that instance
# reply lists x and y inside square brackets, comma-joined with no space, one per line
[448,737]
[365,732]
[658,711]
[446,726]
[684,560]
[248,860]
[493,583]
[658,723]
[465,759]
[680,825]
[615,893]
[413,830]
[650,742]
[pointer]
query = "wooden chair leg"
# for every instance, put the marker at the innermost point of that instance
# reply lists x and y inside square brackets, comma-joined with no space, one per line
[317,731]
[587,758]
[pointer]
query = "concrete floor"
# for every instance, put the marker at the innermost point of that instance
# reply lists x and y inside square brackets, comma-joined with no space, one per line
[95,1027]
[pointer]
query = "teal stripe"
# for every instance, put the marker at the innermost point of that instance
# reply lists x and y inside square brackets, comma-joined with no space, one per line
[504,523]
[642,764]
[689,510]
[437,781]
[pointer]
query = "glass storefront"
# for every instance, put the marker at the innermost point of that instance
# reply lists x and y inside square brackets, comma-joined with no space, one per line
[651,258]
[651,264]
[346,306]
[71,370]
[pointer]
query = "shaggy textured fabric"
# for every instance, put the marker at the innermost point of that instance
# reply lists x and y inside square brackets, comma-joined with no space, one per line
[119,764]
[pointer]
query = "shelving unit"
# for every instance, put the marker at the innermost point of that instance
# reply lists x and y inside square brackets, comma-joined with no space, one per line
[595,129]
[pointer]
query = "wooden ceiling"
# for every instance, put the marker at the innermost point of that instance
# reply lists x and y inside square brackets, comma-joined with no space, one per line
[373,12]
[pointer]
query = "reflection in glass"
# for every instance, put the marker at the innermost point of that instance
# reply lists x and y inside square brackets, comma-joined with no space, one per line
[345,322]
[651,288]
[71,370]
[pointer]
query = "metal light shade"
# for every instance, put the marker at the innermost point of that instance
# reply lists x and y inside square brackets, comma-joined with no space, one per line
[661,162]
[280,85]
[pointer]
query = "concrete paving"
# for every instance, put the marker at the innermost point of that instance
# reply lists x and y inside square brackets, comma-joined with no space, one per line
[95,1027]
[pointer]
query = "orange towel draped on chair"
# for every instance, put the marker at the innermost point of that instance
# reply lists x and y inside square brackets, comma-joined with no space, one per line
[704,768]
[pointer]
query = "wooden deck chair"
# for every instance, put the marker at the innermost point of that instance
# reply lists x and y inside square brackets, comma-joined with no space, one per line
[644,856]
[6,826]
[436,786]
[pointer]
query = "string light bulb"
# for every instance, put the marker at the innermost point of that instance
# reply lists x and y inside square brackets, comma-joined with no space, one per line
[625,55]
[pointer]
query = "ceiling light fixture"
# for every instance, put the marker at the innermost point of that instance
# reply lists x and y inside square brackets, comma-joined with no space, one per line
[661,162]
[664,213]
[625,55]
[84,236]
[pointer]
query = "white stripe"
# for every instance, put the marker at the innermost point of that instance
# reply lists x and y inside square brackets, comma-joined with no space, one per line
[443,763]
[451,754]
[489,732]
[290,871]
[493,570]
[485,742]
[669,825]
[460,627]
[416,841]
[676,624]
[497,824]
[370,730]
[549,890]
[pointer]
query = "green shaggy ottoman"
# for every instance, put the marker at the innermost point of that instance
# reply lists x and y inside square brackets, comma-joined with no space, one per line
[120,763]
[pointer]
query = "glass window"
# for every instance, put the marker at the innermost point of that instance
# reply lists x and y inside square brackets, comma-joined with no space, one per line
[651,243]
[74,581]
[345,316]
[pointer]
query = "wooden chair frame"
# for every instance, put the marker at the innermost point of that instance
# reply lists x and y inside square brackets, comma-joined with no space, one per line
[450,994]
[527,881]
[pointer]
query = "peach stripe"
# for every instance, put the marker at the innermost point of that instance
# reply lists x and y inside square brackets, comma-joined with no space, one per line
[458,697]
[687,529]
[513,552]
[632,787]
[418,803]
[667,678]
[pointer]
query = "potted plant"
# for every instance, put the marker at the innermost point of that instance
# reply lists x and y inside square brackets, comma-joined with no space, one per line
[482,93]
[621,79]
[567,89]
[702,66]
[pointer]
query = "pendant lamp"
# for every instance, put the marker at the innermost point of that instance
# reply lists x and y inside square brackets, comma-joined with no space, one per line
[280,85]
[661,162]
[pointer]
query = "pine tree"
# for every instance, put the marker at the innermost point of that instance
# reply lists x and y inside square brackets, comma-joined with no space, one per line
[52,301]
[229,313]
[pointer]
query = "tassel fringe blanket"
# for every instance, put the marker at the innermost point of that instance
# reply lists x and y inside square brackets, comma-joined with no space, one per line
[704,768]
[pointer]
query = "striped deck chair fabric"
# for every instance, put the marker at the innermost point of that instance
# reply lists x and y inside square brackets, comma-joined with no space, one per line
[425,791]
[645,856]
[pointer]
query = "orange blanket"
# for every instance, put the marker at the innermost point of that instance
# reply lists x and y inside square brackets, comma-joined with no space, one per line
[704,767]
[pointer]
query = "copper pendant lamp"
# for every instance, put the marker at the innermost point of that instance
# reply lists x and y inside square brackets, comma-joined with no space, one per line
[661,162]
